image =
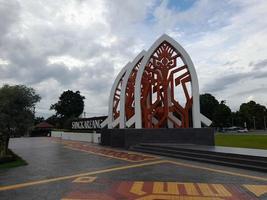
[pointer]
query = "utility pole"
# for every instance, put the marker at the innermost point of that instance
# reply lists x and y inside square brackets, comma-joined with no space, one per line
[254,122]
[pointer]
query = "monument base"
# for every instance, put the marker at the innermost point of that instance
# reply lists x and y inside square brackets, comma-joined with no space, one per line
[125,138]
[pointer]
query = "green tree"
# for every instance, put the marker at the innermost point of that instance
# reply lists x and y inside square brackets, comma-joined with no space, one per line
[70,104]
[252,112]
[236,120]
[208,105]
[38,120]
[16,111]
[222,115]
[53,119]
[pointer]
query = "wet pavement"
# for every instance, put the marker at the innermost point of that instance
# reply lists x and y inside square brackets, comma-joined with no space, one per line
[69,170]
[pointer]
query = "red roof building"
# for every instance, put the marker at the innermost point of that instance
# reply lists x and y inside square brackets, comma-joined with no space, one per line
[44,125]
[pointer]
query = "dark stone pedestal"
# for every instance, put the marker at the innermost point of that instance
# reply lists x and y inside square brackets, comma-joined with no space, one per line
[126,138]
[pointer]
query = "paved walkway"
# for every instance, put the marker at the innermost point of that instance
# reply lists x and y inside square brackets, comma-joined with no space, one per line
[69,170]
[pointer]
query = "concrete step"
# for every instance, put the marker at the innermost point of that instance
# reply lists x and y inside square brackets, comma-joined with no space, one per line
[224,151]
[246,163]
[210,154]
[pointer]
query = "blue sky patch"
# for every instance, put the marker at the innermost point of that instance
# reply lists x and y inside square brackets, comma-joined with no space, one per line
[180,4]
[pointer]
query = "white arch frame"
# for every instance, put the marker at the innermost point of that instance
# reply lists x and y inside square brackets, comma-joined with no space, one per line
[124,75]
[194,80]
[110,121]
[124,85]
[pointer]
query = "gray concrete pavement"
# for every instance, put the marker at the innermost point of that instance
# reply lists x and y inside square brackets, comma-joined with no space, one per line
[74,170]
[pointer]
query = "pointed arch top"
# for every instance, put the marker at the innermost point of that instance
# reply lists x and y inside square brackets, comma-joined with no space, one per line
[115,98]
[194,80]
[131,69]
[149,87]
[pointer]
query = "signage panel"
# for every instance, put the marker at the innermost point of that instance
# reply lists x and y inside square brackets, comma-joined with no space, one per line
[92,123]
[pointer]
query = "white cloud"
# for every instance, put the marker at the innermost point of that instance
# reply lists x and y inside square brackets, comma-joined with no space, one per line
[250,98]
[66,60]
[4,62]
[55,45]
[229,50]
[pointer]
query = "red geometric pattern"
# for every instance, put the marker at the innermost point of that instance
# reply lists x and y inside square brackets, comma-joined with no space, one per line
[129,94]
[161,77]
[178,191]
[146,190]
[117,154]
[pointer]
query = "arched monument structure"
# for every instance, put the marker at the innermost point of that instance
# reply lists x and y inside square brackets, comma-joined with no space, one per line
[158,89]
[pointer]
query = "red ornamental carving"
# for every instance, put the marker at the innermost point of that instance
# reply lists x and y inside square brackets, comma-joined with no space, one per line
[116,100]
[157,90]
[163,74]
[129,94]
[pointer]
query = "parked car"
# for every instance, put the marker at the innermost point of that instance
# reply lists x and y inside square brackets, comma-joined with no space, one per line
[234,129]
[242,130]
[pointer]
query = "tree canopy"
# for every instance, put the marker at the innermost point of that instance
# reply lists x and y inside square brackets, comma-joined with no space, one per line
[250,114]
[70,104]
[16,109]
[222,115]
[253,112]
[218,113]
[208,104]
[38,120]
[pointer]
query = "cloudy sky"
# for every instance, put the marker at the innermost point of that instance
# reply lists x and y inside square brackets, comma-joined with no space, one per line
[55,45]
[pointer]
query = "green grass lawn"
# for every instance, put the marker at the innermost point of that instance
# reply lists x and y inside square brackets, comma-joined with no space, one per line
[15,162]
[242,140]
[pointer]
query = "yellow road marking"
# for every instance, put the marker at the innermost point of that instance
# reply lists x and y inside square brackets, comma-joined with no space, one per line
[191,189]
[175,188]
[137,188]
[110,156]
[21,185]
[258,190]
[217,170]
[84,179]
[172,197]
[221,190]
[206,190]
[205,168]
[158,188]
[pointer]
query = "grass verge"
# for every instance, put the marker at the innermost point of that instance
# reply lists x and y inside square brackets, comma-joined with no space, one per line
[243,141]
[13,161]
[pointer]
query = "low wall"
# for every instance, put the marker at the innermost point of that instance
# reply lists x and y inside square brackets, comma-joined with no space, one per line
[129,137]
[56,133]
[85,137]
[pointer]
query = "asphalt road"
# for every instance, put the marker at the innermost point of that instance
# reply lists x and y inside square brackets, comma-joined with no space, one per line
[70,170]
